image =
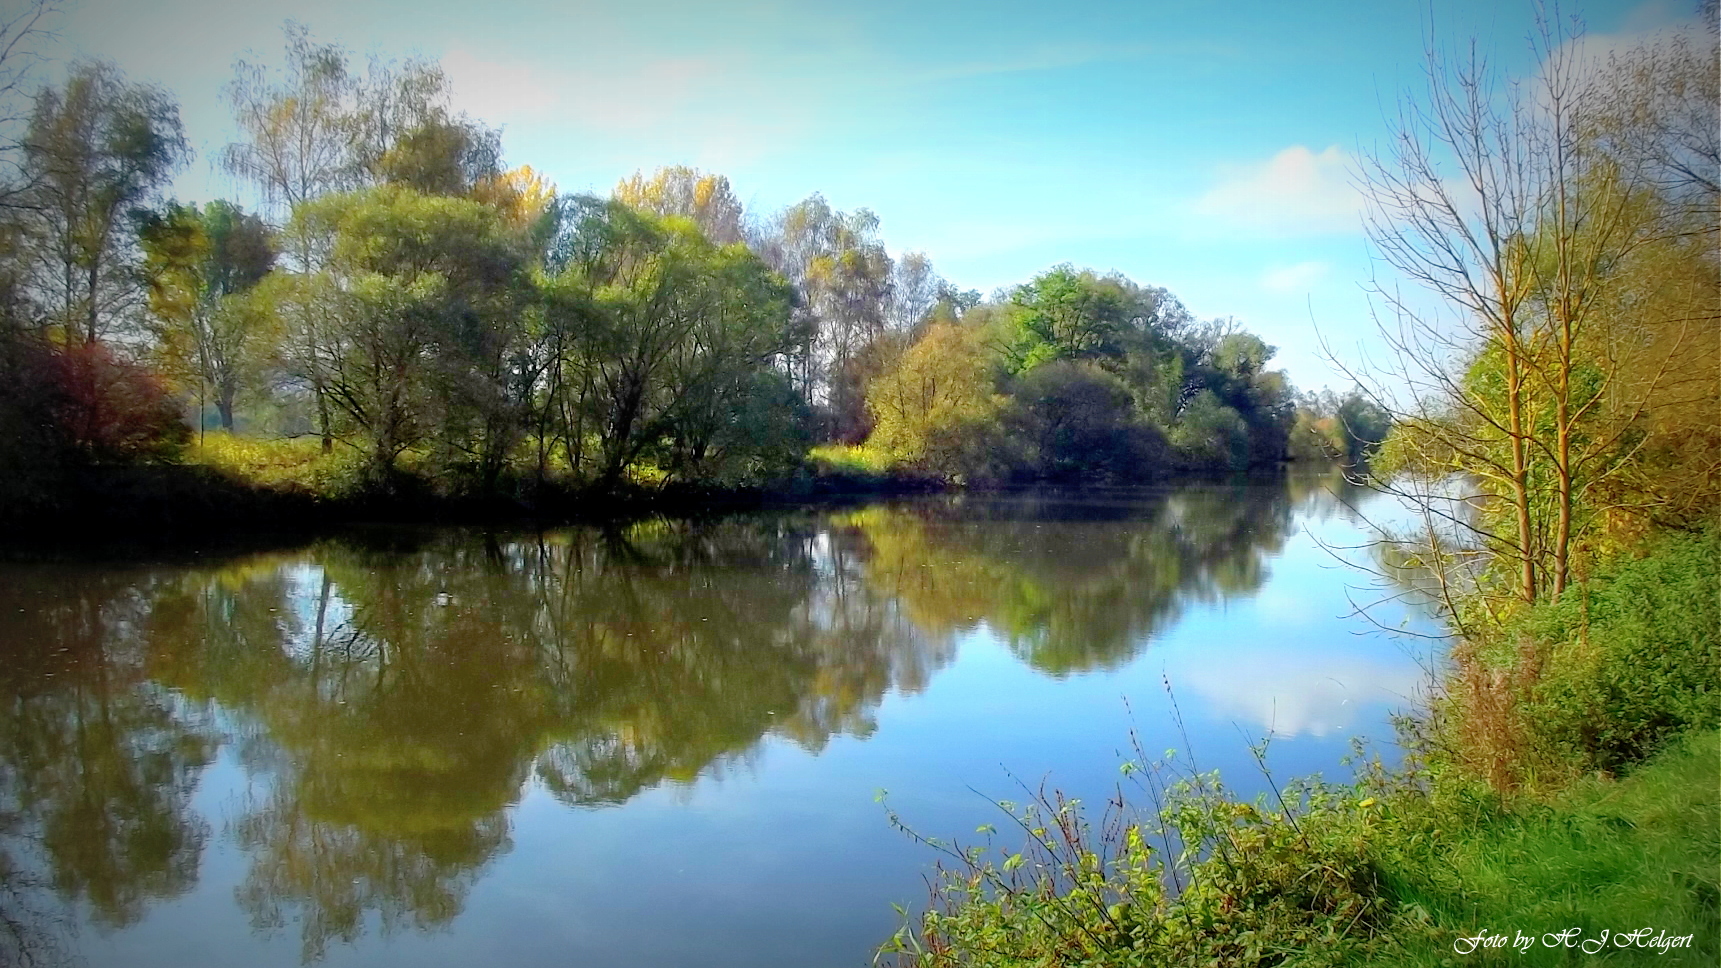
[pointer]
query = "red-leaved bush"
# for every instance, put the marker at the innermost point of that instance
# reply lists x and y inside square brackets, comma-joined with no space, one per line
[112,408]
[83,402]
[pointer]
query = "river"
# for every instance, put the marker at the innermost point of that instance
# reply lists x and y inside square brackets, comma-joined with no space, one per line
[660,744]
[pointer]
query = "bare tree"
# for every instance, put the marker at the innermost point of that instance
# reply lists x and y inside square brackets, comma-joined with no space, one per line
[1524,386]
[23,34]
[1655,111]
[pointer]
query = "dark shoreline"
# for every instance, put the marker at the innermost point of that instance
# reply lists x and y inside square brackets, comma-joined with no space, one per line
[182,510]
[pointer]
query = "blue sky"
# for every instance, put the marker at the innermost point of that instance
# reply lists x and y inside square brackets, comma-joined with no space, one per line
[1204,147]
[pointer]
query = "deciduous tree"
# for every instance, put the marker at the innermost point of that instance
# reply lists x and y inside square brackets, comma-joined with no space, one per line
[97,148]
[201,265]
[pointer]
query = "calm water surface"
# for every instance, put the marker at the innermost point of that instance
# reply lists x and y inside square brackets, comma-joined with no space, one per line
[658,745]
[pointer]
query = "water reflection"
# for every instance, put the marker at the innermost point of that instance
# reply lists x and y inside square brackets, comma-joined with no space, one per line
[390,696]
[97,762]
[1073,583]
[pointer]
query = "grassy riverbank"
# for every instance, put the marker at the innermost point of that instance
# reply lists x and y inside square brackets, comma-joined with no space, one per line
[1555,807]
[225,484]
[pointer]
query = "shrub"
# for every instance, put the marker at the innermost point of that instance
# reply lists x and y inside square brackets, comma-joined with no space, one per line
[64,407]
[1210,881]
[1078,424]
[1631,657]
[1593,682]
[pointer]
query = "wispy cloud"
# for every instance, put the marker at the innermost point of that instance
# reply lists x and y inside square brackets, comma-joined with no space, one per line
[1043,58]
[708,111]
[1295,192]
[1294,279]
[639,98]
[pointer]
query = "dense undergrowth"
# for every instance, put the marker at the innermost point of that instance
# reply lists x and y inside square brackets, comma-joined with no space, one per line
[1565,810]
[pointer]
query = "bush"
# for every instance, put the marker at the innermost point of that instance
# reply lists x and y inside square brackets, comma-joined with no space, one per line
[1210,435]
[1594,682]
[1632,657]
[1079,425]
[65,407]
[1210,881]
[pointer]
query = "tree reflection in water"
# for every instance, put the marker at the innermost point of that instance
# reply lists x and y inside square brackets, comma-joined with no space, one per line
[1073,583]
[392,694]
[97,762]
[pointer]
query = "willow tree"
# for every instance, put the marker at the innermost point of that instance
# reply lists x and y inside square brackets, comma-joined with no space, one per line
[424,296]
[665,344]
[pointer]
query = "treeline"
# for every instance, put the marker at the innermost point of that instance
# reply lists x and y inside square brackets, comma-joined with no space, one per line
[1076,377]
[423,311]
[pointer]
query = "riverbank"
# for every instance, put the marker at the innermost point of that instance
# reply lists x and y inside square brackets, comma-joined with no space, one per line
[234,487]
[226,488]
[1584,823]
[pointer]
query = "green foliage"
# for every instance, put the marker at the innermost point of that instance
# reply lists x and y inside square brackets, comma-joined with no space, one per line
[1350,429]
[201,267]
[1075,423]
[661,343]
[1082,378]
[1206,881]
[1630,658]
[936,410]
[1603,855]
[1066,315]
[427,292]
[1210,434]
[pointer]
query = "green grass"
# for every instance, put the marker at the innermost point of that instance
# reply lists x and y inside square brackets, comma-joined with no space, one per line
[287,464]
[847,459]
[1605,855]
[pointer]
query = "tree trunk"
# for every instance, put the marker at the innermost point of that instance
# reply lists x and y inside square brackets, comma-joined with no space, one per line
[1520,466]
[224,404]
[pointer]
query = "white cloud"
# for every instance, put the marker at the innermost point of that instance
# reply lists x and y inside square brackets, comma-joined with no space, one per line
[1290,280]
[1288,695]
[497,90]
[1296,192]
[1654,22]
[641,98]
